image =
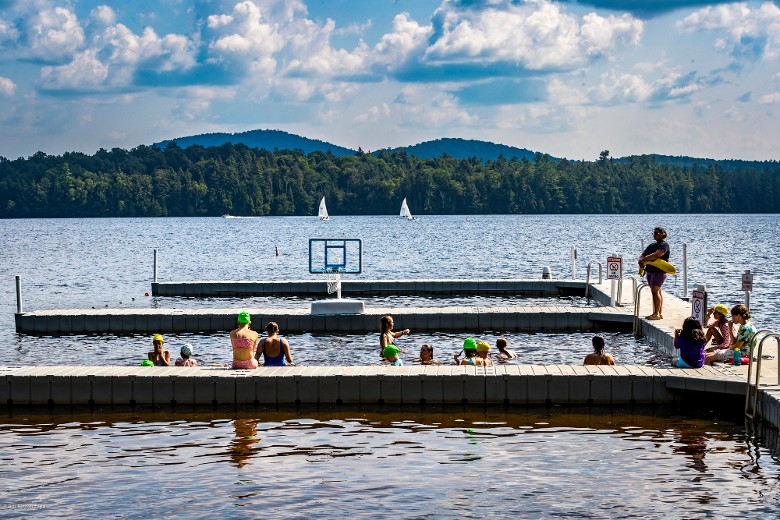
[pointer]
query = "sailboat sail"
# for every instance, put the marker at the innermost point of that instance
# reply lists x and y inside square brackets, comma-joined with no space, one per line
[323,212]
[405,213]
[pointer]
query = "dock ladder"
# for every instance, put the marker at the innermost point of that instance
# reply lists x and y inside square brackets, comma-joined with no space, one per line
[751,392]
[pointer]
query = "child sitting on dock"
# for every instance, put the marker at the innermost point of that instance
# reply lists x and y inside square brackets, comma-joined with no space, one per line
[426,356]
[159,356]
[390,353]
[743,341]
[504,354]
[186,357]
[598,357]
[690,341]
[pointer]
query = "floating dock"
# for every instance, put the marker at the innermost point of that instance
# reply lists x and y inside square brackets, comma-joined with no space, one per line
[299,319]
[336,385]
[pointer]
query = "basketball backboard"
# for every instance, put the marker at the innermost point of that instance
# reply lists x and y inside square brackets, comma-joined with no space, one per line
[336,255]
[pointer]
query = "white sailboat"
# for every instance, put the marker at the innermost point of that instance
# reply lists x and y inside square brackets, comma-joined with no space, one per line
[405,213]
[323,212]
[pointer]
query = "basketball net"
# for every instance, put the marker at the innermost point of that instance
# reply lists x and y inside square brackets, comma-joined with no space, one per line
[333,278]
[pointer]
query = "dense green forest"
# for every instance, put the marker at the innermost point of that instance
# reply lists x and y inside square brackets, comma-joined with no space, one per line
[236,179]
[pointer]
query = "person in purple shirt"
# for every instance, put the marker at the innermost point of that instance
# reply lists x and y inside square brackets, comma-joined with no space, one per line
[690,341]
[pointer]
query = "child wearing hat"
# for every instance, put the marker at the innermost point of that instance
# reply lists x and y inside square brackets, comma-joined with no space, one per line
[159,356]
[718,329]
[470,351]
[483,353]
[390,353]
[186,357]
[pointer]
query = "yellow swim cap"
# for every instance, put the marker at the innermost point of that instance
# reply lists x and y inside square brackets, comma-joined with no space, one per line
[722,309]
[158,337]
[483,346]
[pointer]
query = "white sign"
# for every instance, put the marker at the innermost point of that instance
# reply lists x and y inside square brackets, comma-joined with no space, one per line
[614,268]
[697,305]
[747,281]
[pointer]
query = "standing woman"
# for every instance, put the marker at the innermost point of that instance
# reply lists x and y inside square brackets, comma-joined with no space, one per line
[244,342]
[276,350]
[387,336]
[655,276]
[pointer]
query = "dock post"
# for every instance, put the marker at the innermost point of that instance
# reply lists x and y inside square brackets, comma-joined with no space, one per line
[685,271]
[154,275]
[573,262]
[19,306]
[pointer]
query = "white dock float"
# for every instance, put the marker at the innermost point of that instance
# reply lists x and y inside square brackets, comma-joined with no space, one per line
[508,385]
[353,288]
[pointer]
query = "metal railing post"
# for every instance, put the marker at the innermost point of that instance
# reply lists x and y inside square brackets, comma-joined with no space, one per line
[154,268]
[757,356]
[637,321]
[685,270]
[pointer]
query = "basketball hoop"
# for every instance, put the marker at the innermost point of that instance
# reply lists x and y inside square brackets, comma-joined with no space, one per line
[333,279]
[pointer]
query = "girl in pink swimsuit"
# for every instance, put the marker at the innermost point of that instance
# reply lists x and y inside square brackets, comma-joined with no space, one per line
[244,342]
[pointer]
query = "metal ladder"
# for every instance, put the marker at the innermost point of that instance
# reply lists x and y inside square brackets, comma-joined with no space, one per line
[637,321]
[634,284]
[752,391]
[587,276]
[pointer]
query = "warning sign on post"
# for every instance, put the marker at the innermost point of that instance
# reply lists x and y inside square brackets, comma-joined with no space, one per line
[614,268]
[747,281]
[698,303]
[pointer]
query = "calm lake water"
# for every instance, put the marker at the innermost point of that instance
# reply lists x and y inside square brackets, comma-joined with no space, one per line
[84,263]
[445,463]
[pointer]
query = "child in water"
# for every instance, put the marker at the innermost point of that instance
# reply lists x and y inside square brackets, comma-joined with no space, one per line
[390,354]
[470,351]
[483,351]
[426,356]
[504,354]
[186,357]
[159,356]
[598,357]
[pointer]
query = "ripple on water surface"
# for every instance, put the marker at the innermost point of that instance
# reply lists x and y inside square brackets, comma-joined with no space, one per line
[347,463]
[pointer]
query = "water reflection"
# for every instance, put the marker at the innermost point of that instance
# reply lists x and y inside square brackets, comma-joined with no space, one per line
[693,445]
[389,461]
[242,447]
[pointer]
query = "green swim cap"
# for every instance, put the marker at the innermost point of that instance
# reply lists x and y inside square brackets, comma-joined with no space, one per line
[147,363]
[243,317]
[469,344]
[390,350]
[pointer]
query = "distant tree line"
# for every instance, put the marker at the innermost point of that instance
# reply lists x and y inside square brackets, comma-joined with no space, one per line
[235,179]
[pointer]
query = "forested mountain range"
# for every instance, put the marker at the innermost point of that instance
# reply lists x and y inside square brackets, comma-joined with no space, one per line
[265,139]
[459,148]
[208,181]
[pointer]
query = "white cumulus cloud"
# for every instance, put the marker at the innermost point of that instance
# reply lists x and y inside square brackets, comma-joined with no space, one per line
[7,87]
[770,99]
[535,35]
[745,32]
[53,35]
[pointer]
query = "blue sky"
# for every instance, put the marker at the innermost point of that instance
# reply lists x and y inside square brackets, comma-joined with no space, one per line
[676,77]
